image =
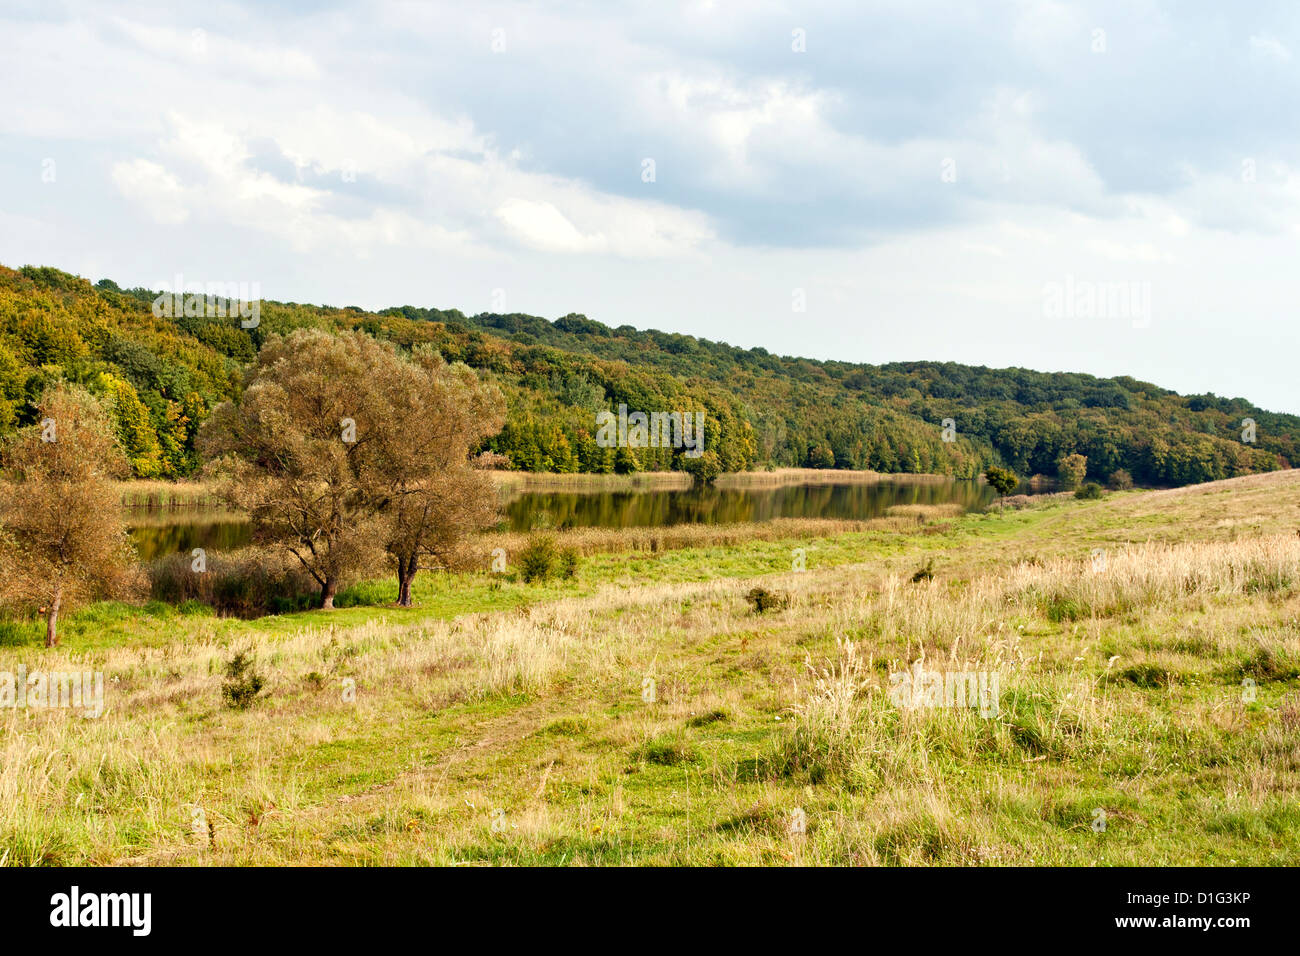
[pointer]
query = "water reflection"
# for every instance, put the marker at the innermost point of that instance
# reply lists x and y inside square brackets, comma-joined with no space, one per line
[158,534]
[185,530]
[640,509]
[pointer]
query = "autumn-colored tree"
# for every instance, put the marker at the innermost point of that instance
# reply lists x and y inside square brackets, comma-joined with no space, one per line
[1072,469]
[341,446]
[432,497]
[290,451]
[62,537]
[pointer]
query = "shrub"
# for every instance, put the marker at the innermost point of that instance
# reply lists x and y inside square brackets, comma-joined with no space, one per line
[246,583]
[1089,492]
[924,573]
[1121,480]
[761,600]
[704,468]
[537,560]
[568,563]
[242,683]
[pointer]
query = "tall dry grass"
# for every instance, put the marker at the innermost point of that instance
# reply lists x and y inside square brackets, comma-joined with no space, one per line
[123,788]
[900,519]
[528,481]
[143,494]
[780,477]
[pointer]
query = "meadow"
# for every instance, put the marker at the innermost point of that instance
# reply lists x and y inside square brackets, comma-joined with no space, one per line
[646,711]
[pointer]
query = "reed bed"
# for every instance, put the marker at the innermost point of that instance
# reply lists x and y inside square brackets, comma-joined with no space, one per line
[780,477]
[160,495]
[522,482]
[905,519]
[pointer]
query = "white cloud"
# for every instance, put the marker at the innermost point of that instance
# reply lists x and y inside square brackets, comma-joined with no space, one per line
[152,187]
[1269,47]
[542,226]
[519,170]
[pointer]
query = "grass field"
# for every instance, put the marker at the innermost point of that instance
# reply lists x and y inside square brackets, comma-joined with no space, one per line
[1147,648]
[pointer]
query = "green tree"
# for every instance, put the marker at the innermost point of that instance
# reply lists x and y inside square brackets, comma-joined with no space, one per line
[626,461]
[1002,480]
[704,468]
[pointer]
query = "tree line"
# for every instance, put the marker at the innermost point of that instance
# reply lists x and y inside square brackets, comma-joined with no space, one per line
[162,377]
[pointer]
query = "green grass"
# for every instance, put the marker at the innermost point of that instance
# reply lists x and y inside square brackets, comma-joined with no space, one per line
[1136,710]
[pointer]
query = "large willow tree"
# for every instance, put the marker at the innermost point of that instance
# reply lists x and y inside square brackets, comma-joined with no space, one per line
[341,447]
[432,496]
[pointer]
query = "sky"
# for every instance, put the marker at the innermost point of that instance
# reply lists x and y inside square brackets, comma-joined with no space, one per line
[1104,187]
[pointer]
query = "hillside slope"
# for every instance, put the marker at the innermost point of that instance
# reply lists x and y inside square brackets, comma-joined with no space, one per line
[164,375]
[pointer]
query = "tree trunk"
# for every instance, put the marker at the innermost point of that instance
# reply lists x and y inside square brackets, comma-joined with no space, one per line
[405,575]
[327,592]
[52,619]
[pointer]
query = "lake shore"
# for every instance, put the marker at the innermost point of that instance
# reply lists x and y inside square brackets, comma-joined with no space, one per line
[159,494]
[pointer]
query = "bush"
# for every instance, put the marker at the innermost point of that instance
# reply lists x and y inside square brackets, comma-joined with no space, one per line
[242,683]
[703,468]
[538,559]
[925,573]
[761,600]
[1121,480]
[568,563]
[1089,492]
[625,462]
[246,583]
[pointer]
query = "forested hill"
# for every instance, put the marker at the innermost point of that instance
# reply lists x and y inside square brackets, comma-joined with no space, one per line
[162,376]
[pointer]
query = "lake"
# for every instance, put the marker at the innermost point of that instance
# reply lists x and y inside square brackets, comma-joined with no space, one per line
[158,533]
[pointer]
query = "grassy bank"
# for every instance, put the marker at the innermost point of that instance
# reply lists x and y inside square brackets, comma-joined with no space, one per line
[1148,648]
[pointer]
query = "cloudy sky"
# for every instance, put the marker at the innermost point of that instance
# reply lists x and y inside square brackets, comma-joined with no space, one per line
[1091,186]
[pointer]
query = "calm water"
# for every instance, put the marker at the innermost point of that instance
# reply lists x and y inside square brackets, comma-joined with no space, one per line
[160,533]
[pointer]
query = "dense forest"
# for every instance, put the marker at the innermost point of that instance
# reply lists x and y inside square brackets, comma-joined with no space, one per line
[161,376]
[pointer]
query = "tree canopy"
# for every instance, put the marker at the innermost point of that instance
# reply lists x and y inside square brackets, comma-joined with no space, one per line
[161,377]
